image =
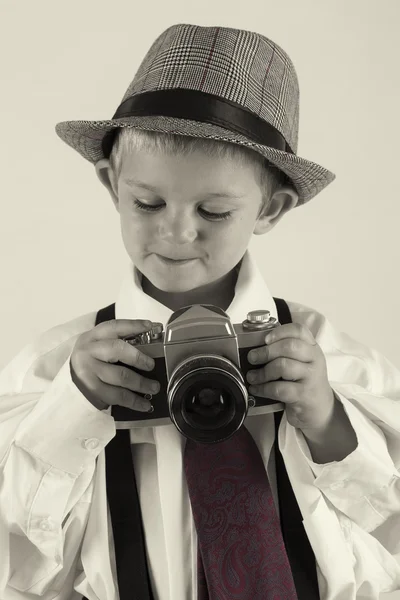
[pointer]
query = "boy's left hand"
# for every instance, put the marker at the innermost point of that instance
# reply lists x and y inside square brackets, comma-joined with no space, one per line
[293,355]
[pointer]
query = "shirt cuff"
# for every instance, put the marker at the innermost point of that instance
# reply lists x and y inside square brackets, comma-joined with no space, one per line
[64,429]
[353,484]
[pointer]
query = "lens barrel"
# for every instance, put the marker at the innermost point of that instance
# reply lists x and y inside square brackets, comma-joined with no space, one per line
[207,398]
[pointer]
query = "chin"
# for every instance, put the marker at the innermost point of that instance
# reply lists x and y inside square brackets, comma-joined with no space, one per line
[173,287]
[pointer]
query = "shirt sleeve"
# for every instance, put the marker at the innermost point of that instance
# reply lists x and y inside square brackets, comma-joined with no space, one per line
[50,437]
[365,485]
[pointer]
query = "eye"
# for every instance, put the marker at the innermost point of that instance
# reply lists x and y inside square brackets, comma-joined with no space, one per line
[208,215]
[148,207]
[216,216]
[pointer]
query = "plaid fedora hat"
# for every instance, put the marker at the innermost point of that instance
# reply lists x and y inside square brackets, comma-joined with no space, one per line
[217,83]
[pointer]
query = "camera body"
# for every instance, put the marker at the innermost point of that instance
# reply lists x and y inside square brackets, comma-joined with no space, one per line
[201,364]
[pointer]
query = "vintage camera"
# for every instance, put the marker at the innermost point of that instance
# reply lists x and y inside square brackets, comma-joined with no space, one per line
[201,364]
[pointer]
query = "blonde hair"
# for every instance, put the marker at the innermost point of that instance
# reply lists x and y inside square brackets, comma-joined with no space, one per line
[270,178]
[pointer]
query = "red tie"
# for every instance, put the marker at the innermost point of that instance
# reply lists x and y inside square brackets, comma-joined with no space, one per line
[241,553]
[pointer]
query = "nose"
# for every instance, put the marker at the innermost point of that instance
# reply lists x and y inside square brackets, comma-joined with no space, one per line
[178,227]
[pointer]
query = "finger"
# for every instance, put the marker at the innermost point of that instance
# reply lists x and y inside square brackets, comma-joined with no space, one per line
[280,368]
[281,391]
[294,330]
[119,328]
[116,350]
[126,378]
[123,397]
[294,348]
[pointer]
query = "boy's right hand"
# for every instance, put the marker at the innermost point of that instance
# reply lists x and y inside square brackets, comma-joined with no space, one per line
[103,383]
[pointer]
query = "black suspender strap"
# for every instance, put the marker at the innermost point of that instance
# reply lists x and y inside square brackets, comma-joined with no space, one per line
[298,547]
[126,518]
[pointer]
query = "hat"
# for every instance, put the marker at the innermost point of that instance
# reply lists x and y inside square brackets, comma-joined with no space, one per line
[217,83]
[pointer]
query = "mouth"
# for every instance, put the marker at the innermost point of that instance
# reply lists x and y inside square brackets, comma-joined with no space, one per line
[172,261]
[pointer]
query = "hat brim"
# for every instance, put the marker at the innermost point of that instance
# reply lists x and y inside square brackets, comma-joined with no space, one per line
[86,137]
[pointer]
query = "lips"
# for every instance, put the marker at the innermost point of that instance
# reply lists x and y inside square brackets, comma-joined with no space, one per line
[176,261]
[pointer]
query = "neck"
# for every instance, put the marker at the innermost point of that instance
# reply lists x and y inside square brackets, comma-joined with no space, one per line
[221,292]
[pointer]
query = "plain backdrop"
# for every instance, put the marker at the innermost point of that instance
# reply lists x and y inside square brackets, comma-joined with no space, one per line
[60,246]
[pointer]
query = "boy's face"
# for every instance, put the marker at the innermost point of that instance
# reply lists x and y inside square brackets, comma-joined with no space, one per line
[181,220]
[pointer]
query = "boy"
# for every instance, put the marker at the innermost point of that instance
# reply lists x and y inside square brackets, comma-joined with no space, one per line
[188,207]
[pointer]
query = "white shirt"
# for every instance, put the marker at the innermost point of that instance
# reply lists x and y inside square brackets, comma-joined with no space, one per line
[55,529]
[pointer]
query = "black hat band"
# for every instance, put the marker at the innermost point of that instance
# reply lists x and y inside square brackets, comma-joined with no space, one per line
[198,106]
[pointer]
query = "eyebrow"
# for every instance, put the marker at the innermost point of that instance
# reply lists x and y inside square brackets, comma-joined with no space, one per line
[132,181]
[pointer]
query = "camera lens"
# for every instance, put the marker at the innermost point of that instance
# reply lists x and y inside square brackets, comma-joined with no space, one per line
[207,398]
[208,407]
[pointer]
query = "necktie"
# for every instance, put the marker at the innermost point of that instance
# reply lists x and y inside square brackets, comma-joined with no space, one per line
[241,552]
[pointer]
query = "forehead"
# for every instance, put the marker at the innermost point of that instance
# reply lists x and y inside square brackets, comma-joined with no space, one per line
[137,183]
[196,170]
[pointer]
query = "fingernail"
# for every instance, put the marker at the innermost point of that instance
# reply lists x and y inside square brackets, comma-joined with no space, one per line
[253,355]
[155,387]
[251,376]
[147,407]
[268,338]
[147,323]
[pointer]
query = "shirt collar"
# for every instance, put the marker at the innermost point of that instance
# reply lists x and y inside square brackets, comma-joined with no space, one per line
[251,293]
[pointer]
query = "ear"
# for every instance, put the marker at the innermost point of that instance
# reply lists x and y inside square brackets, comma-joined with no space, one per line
[108,179]
[281,202]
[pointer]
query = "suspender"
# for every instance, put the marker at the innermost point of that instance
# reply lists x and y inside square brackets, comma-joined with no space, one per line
[126,518]
[298,548]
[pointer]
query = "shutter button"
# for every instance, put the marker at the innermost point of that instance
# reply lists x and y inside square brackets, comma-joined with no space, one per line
[91,443]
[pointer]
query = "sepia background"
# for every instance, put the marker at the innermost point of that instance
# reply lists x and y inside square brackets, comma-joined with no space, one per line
[60,246]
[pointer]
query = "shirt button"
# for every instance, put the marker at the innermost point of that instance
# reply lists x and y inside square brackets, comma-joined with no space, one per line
[91,443]
[46,525]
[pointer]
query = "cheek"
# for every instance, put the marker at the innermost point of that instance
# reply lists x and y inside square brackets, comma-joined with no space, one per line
[232,239]
[238,229]
[133,227]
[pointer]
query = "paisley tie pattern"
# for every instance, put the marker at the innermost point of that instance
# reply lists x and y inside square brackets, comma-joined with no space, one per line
[241,552]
